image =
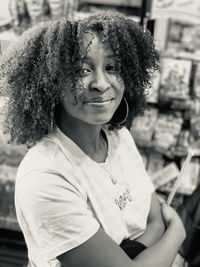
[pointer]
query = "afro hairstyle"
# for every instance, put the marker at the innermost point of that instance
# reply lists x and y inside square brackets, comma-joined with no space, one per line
[45,60]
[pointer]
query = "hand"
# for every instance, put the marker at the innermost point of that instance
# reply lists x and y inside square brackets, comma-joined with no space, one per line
[172,219]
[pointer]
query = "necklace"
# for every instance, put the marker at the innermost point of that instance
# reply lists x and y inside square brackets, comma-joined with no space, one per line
[124,195]
[107,164]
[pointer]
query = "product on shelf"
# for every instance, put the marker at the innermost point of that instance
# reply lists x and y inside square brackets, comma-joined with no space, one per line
[183,139]
[19,16]
[12,155]
[182,104]
[143,127]
[26,13]
[195,126]
[175,31]
[165,175]
[7,173]
[175,78]
[155,163]
[167,130]
[35,9]
[184,36]
[188,37]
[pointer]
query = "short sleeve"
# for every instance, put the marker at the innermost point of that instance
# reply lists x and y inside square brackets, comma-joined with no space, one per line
[52,213]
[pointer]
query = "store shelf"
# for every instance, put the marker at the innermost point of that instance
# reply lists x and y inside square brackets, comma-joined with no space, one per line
[132,3]
[181,55]
[9,223]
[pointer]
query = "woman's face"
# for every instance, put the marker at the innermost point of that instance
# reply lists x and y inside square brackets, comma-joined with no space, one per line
[103,88]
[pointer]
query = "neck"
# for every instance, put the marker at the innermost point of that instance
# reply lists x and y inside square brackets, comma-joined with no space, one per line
[86,136]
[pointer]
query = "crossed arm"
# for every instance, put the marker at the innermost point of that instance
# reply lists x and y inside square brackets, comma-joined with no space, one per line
[155,225]
[101,251]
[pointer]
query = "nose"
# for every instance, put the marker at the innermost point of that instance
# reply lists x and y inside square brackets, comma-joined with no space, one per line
[100,81]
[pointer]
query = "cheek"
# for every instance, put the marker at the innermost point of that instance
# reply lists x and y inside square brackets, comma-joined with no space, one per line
[119,83]
[120,88]
[71,108]
[83,83]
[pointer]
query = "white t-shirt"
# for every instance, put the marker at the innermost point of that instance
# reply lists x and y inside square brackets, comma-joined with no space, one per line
[62,196]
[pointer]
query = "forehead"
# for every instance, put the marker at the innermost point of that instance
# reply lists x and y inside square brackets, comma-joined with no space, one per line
[91,43]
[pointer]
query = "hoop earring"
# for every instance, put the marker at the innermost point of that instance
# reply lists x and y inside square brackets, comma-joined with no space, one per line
[119,112]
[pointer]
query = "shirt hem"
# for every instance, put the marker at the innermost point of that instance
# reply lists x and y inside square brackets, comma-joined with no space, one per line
[66,246]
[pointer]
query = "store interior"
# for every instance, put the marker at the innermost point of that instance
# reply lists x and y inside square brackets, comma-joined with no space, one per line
[165,135]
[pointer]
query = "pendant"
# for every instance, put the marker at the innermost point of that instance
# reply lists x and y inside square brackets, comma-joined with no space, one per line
[113,179]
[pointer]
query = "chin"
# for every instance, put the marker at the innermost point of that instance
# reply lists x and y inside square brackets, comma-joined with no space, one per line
[100,121]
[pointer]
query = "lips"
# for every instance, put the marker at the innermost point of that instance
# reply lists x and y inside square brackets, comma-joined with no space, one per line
[98,100]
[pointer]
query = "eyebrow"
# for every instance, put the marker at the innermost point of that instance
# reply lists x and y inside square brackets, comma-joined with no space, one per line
[88,58]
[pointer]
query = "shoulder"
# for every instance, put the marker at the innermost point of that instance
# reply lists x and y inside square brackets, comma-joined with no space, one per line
[121,143]
[45,168]
[41,156]
[121,137]
[44,162]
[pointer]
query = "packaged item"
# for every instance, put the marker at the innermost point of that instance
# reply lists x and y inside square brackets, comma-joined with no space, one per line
[70,8]
[195,126]
[194,143]
[183,139]
[165,175]
[187,38]
[11,155]
[175,31]
[143,127]
[35,9]
[167,130]
[175,78]
[7,173]
[19,16]
[155,164]
[181,104]
[56,7]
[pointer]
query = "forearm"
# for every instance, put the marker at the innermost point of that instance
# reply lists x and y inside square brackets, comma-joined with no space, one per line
[163,252]
[155,225]
[152,234]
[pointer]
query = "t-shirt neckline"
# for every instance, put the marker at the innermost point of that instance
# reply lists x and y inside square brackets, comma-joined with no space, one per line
[76,150]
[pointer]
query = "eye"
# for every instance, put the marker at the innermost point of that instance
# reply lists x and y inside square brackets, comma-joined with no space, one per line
[85,71]
[111,68]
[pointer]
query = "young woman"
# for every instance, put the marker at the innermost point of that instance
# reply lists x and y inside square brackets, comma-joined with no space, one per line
[82,192]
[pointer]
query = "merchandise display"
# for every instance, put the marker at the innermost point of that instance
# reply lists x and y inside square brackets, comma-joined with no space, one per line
[175,78]
[166,135]
[184,36]
[145,125]
[25,13]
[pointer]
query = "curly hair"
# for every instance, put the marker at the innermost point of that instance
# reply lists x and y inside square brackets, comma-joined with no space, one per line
[46,60]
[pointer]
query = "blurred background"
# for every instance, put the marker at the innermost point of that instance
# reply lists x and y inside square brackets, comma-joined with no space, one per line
[170,126]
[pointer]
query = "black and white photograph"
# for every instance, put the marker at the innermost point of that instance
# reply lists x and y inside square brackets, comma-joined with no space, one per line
[99,133]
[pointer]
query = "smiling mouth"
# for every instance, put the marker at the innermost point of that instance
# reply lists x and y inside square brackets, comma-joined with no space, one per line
[98,100]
